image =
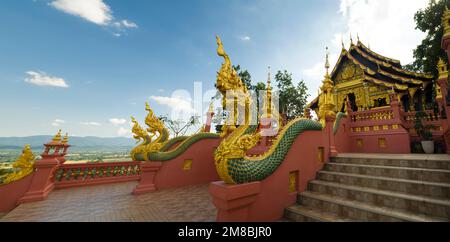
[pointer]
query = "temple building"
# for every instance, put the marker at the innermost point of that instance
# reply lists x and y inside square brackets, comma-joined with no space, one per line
[366,79]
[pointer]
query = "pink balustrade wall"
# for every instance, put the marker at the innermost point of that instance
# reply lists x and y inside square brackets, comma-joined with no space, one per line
[12,192]
[75,175]
[194,166]
[267,199]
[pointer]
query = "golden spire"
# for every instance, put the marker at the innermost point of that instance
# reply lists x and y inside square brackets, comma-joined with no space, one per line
[442,69]
[446,21]
[66,139]
[351,39]
[57,137]
[327,63]
[211,107]
[342,42]
[268,99]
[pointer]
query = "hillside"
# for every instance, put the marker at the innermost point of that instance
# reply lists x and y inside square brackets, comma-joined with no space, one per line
[36,142]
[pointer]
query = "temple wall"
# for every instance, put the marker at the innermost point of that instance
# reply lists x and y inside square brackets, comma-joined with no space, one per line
[267,199]
[11,193]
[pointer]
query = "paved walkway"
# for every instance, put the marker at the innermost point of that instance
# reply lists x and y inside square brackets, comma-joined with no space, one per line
[114,203]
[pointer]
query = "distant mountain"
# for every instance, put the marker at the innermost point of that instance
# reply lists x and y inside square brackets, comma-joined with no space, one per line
[36,142]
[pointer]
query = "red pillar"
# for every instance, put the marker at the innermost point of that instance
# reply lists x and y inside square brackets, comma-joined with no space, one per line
[396,108]
[148,178]
[329,129]
[209,116]
[43,181]
[233,202]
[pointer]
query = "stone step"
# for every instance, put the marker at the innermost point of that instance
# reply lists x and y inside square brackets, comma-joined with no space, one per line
[358,211]
[298,213]
[412,203]
[416,161]
[420,174]
[421,188]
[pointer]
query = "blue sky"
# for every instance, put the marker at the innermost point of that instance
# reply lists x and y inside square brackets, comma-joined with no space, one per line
[86,65]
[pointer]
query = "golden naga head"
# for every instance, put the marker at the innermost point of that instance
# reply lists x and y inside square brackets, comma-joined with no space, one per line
[138,132]
[24,165]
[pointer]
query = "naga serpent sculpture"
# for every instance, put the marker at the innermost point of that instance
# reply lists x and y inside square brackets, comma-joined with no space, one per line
[160,148]
[232,164]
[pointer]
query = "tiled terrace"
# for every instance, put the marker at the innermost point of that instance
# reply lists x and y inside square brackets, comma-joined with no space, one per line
[114,203]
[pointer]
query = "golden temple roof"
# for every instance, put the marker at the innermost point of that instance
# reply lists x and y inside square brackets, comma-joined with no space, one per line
[381,70]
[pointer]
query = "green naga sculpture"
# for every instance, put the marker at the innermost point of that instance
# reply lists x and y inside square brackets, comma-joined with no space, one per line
[232,163]
[154,143]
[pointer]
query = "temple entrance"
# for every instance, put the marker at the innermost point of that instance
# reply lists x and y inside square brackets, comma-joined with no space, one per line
[352,98]
[405,103]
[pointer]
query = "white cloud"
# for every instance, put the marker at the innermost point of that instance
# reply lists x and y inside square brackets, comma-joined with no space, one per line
[94,11]
[245,38]
[117,121]
[42,79]
[58,122]
[181,107]
[388,26]
[317,72]
[91,123]
[123,132]
[125,24]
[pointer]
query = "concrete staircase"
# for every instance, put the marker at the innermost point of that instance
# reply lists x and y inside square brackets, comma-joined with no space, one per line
[376,188]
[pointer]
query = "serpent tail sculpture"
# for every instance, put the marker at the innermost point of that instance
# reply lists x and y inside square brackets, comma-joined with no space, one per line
[337,123]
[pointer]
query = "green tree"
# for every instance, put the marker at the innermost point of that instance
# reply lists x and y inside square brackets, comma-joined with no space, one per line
[292,100]
[245,77]
[180,127]
[427,54]
[260,86]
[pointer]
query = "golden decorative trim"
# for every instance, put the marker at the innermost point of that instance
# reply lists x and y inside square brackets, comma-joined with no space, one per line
[187,164]
[359,143]
[385,64]
[360,44]
[293,181]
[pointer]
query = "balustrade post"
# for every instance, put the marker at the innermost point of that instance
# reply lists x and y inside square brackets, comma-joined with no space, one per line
[396,108]
[329,132]
[147,183]
[233,202]
[209,117]
[43,181]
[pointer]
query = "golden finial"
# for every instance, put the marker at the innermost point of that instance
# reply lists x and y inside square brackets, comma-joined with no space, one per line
[342,42]
[211,107]
[442,69]
[351,39]
[327,63]
[66,139]
[57,137]
[357,36]
[268,79]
